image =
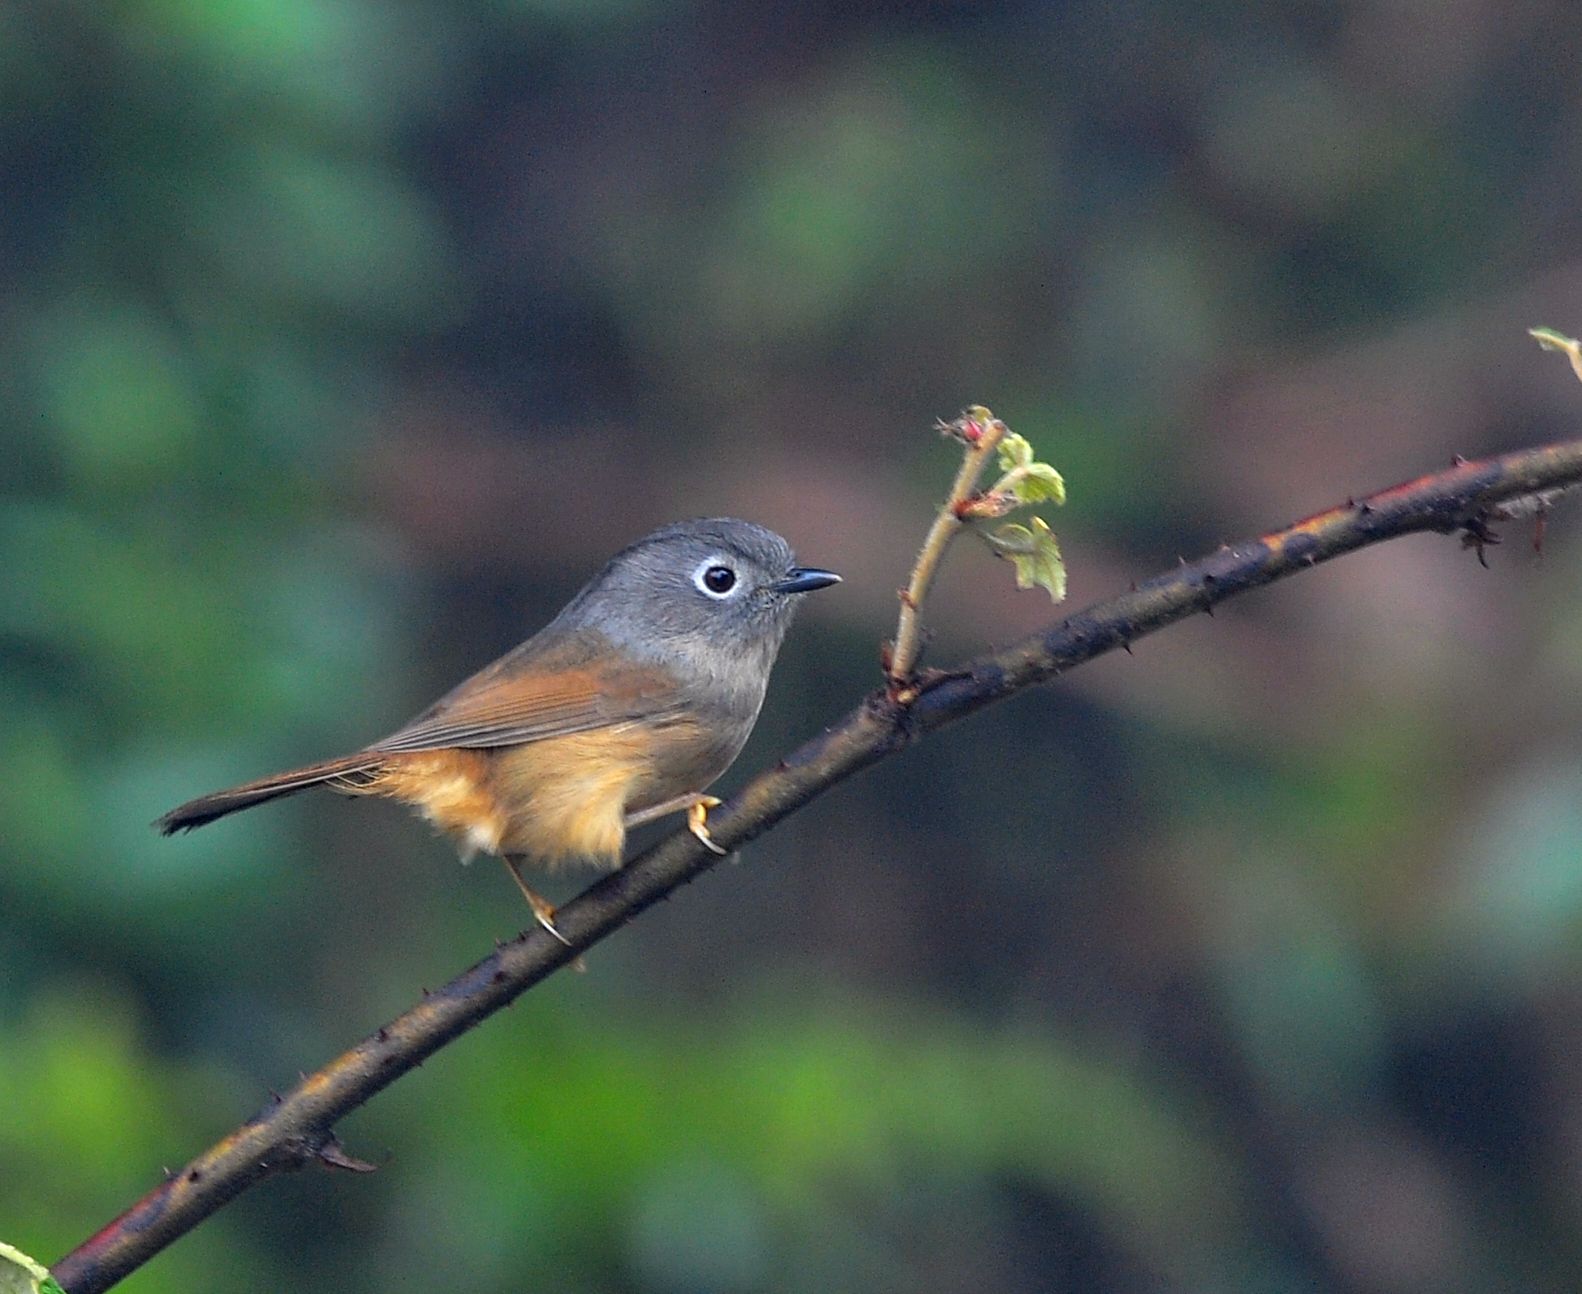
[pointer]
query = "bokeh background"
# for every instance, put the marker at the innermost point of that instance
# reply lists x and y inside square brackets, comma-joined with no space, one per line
[340,341]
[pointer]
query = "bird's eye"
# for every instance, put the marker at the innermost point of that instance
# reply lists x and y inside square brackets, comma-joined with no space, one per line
[715,579]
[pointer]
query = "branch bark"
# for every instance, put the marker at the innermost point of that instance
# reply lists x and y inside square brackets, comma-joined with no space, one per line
[298,1128]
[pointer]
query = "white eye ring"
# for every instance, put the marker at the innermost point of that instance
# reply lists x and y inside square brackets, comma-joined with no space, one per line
[716,578]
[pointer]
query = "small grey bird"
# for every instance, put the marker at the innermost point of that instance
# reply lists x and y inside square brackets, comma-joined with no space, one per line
[622,709]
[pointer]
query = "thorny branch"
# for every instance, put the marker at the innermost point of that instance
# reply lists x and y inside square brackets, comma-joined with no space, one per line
[298,1128]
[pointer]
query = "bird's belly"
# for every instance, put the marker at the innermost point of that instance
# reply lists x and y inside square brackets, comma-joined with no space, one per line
[565,798]
[558,800]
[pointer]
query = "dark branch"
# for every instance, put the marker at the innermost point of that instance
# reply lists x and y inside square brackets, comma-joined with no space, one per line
[298,1128]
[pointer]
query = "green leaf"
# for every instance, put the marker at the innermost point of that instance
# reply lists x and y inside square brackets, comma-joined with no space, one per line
[1040,483]
[1549,339]
[19,1274]
[1015,451]
[1035,554]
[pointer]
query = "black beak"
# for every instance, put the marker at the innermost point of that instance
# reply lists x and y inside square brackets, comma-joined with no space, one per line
[804,579]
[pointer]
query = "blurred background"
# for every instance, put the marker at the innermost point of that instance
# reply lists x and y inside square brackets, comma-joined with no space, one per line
[341,341]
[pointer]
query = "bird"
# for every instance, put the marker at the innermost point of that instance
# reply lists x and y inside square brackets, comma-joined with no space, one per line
[622,709]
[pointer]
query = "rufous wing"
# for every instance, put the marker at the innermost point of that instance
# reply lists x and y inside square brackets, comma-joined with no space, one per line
[579,685]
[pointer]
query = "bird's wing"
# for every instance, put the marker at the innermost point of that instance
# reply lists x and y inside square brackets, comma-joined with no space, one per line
[536,693]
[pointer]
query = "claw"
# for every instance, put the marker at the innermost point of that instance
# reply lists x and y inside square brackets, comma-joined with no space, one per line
[698,822]
[543,909]
[544,914]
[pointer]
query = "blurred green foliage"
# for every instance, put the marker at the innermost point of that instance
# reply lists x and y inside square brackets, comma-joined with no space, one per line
[340,341]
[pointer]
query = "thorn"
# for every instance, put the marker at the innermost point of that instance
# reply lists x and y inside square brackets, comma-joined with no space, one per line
[274,1097]
[1458,460]
[1126,647]
[1365,508]
[1350,502]
[383,1035]
[165,1169]
[333,1155]
[195,1175]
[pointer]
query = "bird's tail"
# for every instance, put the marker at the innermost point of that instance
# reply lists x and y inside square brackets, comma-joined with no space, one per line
[348,770]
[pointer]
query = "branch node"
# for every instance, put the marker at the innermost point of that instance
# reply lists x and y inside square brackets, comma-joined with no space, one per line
[1479,536]
[333,1155]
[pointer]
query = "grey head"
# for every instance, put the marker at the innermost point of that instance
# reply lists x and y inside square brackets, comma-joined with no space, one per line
[717,592]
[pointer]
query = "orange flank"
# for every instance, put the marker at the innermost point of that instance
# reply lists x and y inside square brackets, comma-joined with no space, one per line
[555,800]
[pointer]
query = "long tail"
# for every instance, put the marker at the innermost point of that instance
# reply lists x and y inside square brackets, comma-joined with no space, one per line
[206,808]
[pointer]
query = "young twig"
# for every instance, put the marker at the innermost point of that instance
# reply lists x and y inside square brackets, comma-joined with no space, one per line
[981,432]
[1024,482]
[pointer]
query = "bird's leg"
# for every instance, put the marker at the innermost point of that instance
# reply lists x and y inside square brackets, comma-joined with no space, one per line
[697,806]
[543,909]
